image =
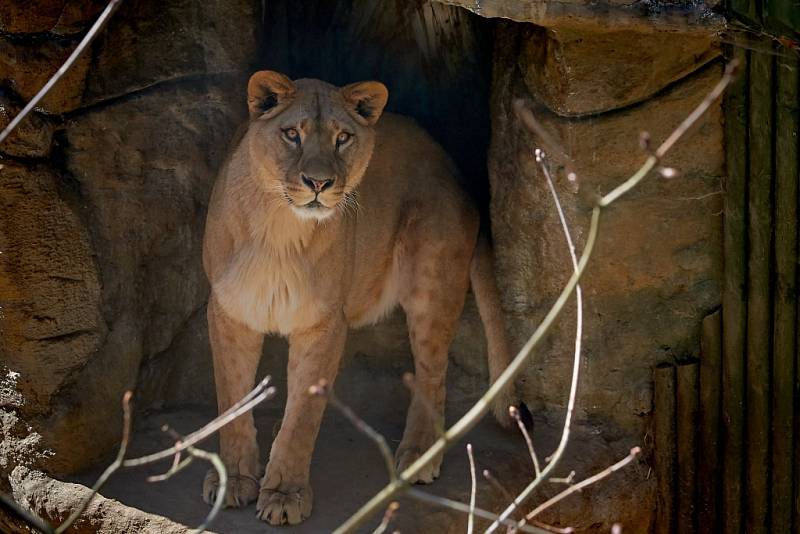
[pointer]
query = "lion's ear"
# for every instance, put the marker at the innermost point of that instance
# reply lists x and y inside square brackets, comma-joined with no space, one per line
[268,92]
[365,100]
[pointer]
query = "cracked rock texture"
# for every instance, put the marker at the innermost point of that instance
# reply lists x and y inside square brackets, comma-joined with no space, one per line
[104,195]
[656,269]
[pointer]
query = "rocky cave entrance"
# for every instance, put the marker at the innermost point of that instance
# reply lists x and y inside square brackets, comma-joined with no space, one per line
[108,184]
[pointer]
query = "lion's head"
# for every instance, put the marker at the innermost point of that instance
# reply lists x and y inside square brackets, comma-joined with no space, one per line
[312,140]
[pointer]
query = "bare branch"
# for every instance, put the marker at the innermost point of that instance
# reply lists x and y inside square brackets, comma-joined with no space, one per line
[473,488]
[222,473]
[534,126]
[463,508]
[514,413]
[321,389]
[730,73]
[387,517]
[87,39]
[576,358]
[257,395]
[19,512]
[482,406]
[252,399]
[497,485]
[116,464]
[582,484]
[551,528]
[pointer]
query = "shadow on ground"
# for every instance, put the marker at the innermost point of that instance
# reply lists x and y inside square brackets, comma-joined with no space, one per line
[347,468]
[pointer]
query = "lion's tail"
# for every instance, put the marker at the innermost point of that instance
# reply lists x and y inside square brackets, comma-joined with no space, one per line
[487,296]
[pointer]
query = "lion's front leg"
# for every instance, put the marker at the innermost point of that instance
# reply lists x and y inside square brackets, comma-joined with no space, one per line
[236,350]
[314,354]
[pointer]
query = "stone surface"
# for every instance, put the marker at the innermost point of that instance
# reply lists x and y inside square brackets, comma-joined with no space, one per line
[49,287]
[53,501]
[143,169]
[60,17]
[26,66]
[77,15]
[600,15]
[657,264]
[29,16]
[347,468]
[149,42]
[32,138]
[575,72]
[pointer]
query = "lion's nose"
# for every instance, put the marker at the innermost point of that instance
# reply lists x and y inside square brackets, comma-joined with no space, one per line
[316,184]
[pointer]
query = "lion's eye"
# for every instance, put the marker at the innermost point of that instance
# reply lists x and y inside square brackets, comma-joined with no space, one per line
[292,135]
[343,138]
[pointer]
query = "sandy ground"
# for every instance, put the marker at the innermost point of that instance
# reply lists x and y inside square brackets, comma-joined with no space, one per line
[347,469]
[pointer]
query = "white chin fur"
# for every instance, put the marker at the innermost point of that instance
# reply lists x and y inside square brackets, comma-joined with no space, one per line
[315,214]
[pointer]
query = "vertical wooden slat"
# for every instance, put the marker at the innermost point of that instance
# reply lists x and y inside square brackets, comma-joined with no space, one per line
[796,489]
[688,378]
[785,295]
[759,307]
[709,468]
[664,415]
[734,296]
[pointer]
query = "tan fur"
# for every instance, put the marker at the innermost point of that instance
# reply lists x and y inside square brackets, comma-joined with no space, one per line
[392,228]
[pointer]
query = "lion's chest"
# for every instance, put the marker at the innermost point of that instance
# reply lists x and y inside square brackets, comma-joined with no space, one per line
[264,290]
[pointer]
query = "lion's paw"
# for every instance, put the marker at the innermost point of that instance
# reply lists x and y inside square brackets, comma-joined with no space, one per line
[285,505]
[240,490]
[406,456]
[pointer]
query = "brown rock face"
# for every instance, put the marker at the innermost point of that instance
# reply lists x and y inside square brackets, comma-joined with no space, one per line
[49,285]
[574,72]
[144,168]
[26,66]
[656,267]
[150,42]
[31,139]
[101,242]
[29,16]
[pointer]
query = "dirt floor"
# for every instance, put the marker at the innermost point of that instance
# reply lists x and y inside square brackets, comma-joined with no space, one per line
[347,469]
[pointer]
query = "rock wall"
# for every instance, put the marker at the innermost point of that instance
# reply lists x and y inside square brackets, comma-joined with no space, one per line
[656,270]
[103,192]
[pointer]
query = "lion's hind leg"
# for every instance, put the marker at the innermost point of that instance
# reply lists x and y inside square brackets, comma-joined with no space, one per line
[433,305]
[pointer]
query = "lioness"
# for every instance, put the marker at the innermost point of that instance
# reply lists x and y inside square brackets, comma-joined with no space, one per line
[325,218]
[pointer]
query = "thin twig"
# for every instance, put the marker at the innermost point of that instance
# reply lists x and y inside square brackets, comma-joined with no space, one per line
[87,39]
[568,480]
[545,138]
[177,464]
[604,202]
[322,389]
[450,504]
[387,517]
[222,473]
[472,491]
[257,395]
[496,484]
[514,413]
[582,484]
[173,470]
[482,406]
[551,528]
[576,358]
[116,464]
[30,519]
[252,399]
